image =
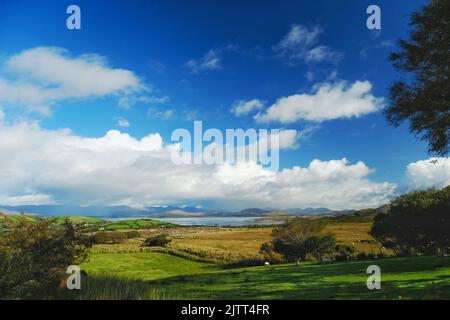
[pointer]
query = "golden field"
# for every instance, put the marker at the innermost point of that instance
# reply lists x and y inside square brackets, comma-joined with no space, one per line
[220,244]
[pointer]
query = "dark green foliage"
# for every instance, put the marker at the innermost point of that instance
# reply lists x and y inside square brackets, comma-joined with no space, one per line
[35,255]
[266,248]
[423,96]
[319,245]
[344,252]
[301,239]
[417,223]
[159,240]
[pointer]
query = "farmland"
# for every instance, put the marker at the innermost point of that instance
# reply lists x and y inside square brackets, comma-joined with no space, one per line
[161,276]
[226,263]
[231,245]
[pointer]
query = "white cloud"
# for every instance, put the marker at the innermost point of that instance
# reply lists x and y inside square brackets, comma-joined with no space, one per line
[123,123]
[326,102]
[74,77]
[38,78]
[60,166]
[321,53]
[161,114]
[30,199]
[244,107]
[300,36]
[210,61]
[288,139]
[434,172]
[301,45]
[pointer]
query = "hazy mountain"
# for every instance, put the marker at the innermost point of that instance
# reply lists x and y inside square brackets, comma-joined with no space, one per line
[309,211]
[162,211]
[100,211]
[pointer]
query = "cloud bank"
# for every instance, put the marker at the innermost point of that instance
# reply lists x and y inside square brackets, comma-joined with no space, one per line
[44,166]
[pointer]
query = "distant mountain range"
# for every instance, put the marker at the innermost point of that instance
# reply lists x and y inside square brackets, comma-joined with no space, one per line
[161,211]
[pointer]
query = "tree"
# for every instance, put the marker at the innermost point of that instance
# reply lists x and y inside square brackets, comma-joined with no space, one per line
[423,96]
[417,223]
[300,239]
[266,248]
[159,240]
[320,245]
[35,255]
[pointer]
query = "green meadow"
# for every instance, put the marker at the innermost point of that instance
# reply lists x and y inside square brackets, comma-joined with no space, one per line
[163,276]
[225,263]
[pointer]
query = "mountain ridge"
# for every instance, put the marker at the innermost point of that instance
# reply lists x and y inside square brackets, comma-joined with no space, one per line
[163,211]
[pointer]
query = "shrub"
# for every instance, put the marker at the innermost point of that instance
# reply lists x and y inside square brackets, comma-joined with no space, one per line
[344,252]
[417,223]
[367,256]
[159,240]
[266,248]
[35,255]
[300,238]
[361,256]
[320,245]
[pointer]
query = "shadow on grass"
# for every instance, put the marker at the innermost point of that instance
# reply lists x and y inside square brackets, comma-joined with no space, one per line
[402,278]
[405,278]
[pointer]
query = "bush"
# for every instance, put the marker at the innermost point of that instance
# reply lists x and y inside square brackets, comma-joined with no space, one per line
[266,248]
[417,223]
[344,252]
[300,238]
[159,240]
[34,257]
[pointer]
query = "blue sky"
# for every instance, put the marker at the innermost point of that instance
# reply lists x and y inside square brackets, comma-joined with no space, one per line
[198,59]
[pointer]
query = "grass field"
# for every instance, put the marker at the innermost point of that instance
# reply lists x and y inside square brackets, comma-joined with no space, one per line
[356,234]
[158,275]
[134,224]
[225,245]
[143,266]
[207,263]
[231,245]
[91,224]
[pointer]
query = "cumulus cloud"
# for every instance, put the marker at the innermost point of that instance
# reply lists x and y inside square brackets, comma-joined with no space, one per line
[434,172]
[58,166]
[38,78]
[327,101]
[210,61]
[244,107]
[288,139]
[300,44]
